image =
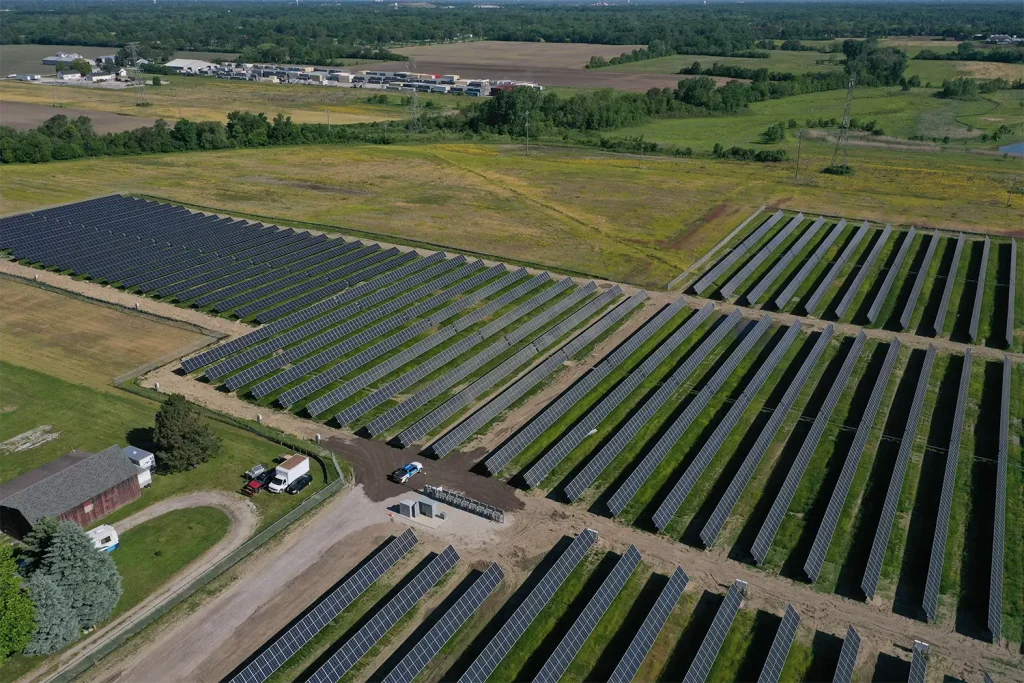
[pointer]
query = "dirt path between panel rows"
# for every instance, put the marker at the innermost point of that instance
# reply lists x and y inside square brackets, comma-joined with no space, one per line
[243,518]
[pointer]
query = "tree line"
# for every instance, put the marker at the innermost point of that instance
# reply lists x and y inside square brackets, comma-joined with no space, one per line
[968,51]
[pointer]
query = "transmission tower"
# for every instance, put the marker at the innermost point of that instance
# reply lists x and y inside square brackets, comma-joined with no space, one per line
[416,125]
[843,143]
[135,76]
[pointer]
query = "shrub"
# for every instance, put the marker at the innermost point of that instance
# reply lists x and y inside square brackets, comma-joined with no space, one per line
[17,613]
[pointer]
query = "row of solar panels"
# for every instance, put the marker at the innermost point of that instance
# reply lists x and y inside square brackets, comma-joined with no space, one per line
[766,241]
[483,663]
[616,438]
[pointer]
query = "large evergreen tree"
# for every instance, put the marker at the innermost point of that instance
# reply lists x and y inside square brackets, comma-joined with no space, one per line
[17,614]
[36,543]
[57,624]
[182,436]
[88,578]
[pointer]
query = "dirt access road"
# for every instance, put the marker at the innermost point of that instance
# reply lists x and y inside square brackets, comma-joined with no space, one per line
[244,519]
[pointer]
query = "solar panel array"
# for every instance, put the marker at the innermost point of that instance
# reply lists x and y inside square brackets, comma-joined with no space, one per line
[922,275]
[471,425]
[639,476]
[606,406]
[772,671]
[488,659]
[826,283]
[931,589]
[463,398]
[979,290]
[353,649]
[739,482]
[848,657]
[684,485]
[302,631]
[759,290]
[995,593]
[765,537]
[761,256]
[554,410]
[734,255]
[712,643]
[823,538]
[580,631]
[809,265]
[892,497]
[918,662]
[947,290]
[651,628]
[1012,296]
[862,273]
[890,277]
[442,631]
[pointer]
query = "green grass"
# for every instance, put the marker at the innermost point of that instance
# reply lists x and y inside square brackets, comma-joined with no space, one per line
[778,60]
[734,649]
[798,662]
[1013,582]
[154,551]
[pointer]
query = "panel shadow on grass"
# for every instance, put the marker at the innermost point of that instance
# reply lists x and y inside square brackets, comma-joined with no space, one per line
[869,510]
[825,651]
[909,597]
[1001,303]
[860,316]
[762,635]
[616,648]
[830,312]
[505,613]
[754,428]
[961,331]
[905,287]
[793,566]
[976,560]
[926,326]
[686,647]
[779,286]
[777,477]
[825,267]
[889,669]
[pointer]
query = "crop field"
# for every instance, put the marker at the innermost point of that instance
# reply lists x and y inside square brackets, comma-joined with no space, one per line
[727,434]
[583,612]
[934,283]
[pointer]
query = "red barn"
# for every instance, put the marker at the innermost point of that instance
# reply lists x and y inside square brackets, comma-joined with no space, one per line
[80,487]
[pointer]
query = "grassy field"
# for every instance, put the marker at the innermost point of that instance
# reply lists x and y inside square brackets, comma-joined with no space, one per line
[569,208]
[778,60]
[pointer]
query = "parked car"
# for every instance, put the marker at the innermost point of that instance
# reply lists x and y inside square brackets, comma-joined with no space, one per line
[406,472]
[287,472]
[299,484]
[258,483]
[255,471]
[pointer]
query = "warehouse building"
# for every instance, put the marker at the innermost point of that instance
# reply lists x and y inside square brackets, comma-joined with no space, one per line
[80,486]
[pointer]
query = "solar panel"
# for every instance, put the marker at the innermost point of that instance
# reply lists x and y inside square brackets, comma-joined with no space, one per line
[892,497]
[823,538]
[761,256]
[743,247]
[684,485]
[712,643]
[471,425]
[353,649]
[995,593]
[987,678]
[556,409]
[442,631]
[780,506]
[772,671]
[947,290]
[495,650]
[639,476]
[979,290]
[567,649]
[848,657]
[646,412]
[931,590]
[1011,301]
[918,662]
[826,283]
[739,482]
[890,277]
[302,631]
[922,275]
[809,265]
[651,628]
[862,273]
[759,290]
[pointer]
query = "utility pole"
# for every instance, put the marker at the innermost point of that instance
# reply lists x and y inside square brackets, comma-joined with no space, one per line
[527,133]
[799,144]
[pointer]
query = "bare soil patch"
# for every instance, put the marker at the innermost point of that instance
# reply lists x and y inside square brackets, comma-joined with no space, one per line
[23,116]
[29,440]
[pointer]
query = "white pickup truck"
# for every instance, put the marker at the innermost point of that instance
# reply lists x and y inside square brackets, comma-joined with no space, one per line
[287,472]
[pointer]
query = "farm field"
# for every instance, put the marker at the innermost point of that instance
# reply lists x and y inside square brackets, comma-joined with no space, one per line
[24,116]
[557,199]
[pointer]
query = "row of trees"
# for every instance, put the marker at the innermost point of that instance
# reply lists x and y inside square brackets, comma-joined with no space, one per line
[970,52]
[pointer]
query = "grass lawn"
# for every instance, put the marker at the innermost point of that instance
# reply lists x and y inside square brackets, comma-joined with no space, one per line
[154,551]
[778,60]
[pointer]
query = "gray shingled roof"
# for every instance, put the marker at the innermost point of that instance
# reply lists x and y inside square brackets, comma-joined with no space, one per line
[61,484]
